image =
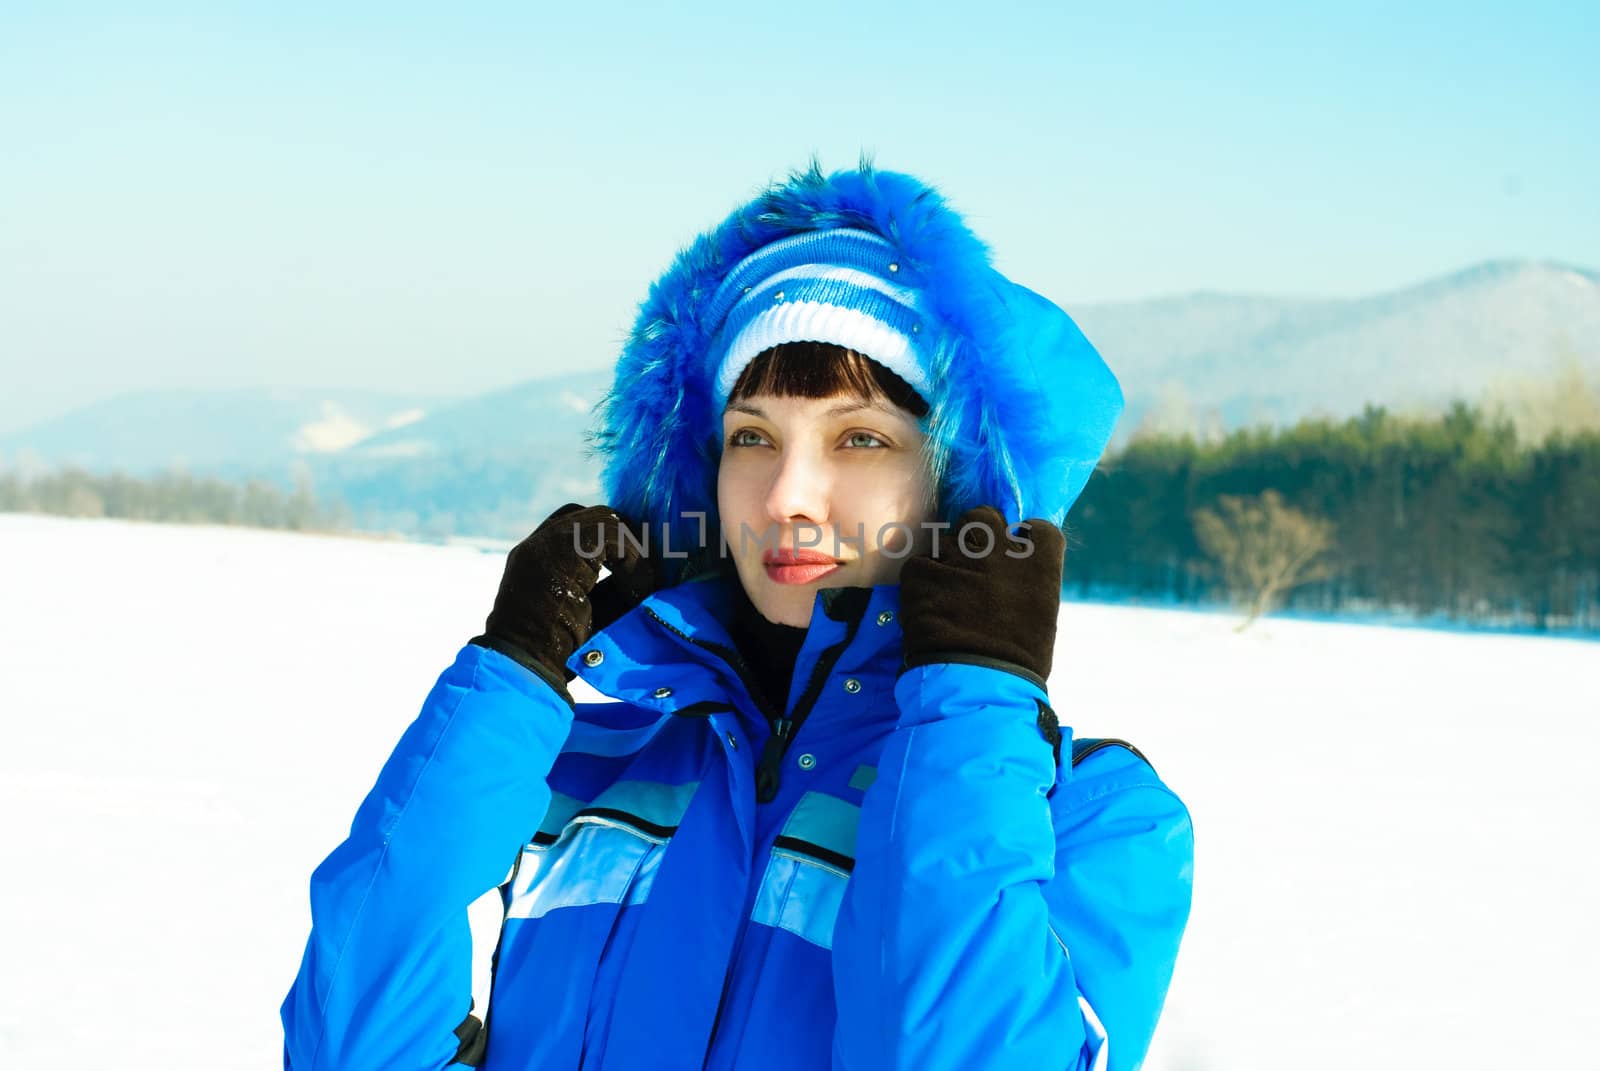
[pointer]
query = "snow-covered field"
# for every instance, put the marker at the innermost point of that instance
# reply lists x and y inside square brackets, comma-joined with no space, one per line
[1398,831]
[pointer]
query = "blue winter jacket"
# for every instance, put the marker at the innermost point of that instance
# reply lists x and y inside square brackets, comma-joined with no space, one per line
[930,888]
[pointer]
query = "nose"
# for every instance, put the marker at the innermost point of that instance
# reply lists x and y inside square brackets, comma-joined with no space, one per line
[799,490]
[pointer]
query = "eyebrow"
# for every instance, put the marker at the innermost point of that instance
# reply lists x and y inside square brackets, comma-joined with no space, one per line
[834,411]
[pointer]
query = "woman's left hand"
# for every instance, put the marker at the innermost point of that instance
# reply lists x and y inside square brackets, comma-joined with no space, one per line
[985,596]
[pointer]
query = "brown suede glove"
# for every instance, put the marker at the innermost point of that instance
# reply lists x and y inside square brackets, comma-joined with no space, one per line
[550,603]
[988,598]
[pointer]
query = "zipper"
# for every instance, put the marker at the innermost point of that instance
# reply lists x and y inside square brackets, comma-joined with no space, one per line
[769,771]
[769,765]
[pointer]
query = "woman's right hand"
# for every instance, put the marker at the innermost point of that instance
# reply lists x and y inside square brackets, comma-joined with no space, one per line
[551,599]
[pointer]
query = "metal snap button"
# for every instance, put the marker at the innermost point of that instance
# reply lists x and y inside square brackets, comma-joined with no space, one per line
[733,742]
[852,685]
[662,693]
[807,761]
[886,617]
[593,658]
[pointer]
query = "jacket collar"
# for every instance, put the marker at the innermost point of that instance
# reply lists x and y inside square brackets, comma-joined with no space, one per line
[673,652]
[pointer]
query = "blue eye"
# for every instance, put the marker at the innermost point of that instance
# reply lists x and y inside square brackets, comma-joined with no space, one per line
[854,435]
[736,438]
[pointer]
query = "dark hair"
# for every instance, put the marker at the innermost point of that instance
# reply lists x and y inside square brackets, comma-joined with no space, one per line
[821,370]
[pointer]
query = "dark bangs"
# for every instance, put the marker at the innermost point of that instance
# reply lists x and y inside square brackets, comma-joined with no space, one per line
[821,370]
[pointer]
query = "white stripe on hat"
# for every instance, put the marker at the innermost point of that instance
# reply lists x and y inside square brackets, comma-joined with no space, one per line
[812,321]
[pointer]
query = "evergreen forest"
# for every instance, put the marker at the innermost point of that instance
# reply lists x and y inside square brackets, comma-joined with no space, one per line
[1449,517]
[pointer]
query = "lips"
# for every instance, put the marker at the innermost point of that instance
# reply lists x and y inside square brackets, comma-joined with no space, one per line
[797,566]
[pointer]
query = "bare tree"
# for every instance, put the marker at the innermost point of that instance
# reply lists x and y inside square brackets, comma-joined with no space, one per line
[1263,547]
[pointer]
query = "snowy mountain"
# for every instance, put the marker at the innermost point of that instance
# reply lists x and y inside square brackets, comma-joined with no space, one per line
[209,431]
[553,411]
[492,465]
[496,463]
[1264,360]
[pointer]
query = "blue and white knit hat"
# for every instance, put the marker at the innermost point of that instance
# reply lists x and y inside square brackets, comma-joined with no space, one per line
[838,286]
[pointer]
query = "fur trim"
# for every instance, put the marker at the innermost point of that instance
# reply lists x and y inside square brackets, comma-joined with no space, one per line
[1022,405]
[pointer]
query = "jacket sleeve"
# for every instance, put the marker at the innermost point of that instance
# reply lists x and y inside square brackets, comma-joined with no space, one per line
[954,947]
[386,980]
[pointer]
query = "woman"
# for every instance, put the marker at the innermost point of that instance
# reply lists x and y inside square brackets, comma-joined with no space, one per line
[831,819]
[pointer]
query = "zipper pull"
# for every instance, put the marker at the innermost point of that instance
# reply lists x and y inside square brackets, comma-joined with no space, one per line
[768,770]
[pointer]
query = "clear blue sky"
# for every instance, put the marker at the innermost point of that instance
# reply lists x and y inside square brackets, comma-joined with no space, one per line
[451,198]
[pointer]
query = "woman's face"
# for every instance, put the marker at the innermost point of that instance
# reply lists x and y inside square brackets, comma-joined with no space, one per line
[839,480]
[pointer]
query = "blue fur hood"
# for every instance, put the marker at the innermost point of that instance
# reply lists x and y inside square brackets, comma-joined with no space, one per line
[1023,406]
